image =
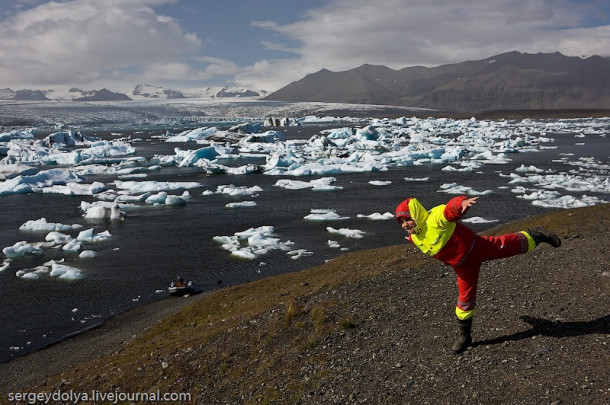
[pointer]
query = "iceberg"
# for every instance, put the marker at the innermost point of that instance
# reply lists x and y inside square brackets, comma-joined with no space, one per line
[37,182]
[20,249]
[253,242]
[324,215]
[65,272]
[41,225]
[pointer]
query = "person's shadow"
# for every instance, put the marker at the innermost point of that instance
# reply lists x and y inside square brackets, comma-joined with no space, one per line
[544,327]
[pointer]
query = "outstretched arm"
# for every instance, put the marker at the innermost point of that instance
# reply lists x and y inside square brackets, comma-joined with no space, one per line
[469,202]
[456,207]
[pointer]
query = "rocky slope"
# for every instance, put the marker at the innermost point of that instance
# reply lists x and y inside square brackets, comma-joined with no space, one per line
[375,327]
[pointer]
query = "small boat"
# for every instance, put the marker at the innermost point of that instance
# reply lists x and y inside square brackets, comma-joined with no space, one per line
[181,288]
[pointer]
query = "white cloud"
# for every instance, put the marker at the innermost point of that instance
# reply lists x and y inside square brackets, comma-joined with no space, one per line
[345,34]
[90,43]
[81,41]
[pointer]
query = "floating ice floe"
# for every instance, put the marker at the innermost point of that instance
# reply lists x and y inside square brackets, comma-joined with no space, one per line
[17,134]
[253,242]
[5,264]
[324,215]
[568,201]
[377,145]
[233,190]
[240,204]
[349,233]
[137,187]
[65,272]
[33,273]
[90,236]
[297,254]
[101,210]
[380,183]
[454,188]
[58,237]
[86,254]
[321,184]
[8,171]
[22,248]
[528,169]
[377,216]
[39,181]
[478,220]
[41,225]
[333,244]
[69,138]
[75,189]
[192,135]
[166,199]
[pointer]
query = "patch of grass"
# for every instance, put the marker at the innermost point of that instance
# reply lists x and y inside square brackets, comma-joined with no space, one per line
[318,315]
[346,325]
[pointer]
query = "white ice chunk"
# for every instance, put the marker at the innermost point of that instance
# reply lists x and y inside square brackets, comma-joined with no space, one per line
[324,215]
[349,233]
[85,254]
[158,198]
[40,225]
[454,188]
[5,264]
[376,216]
[193,135]
[137,187]
[233,190]
[241,204]
[58,237]
[37,182]
[478,220]
[73,246]
[252,242]
[174,200]
[297,254]
[65,272]
[89,236]
[20,249]
[333,244]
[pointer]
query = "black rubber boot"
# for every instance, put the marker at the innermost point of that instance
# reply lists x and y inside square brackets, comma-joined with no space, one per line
[543,235]
[465,339]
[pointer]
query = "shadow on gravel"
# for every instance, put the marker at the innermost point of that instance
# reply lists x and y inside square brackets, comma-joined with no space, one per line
[544,327]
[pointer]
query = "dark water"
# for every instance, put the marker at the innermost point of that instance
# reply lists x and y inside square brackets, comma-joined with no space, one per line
[155,244]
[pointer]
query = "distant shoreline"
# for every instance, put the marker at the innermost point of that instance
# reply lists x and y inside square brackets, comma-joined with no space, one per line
[390,112]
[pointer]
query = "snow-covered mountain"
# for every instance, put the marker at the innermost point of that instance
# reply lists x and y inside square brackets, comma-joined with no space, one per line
[140,92]
[37,95]
[224,91]
[102,95]
[146,91]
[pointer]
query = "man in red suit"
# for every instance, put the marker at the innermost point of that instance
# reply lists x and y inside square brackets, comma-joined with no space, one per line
[439,233]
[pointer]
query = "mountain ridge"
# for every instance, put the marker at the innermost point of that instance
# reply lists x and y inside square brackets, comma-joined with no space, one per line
[508,81]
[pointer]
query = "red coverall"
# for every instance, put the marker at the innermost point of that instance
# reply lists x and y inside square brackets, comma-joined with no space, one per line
[441,236]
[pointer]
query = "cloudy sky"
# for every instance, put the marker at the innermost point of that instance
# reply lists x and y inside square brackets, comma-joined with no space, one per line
[266,44]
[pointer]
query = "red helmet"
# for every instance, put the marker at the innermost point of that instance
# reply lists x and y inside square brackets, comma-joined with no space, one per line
[402,211]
